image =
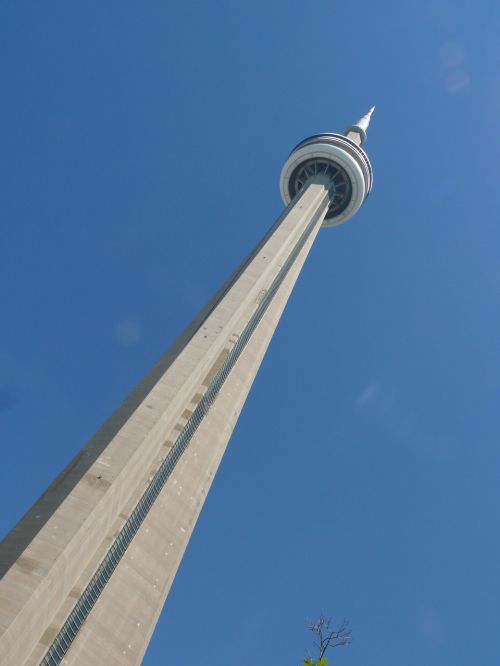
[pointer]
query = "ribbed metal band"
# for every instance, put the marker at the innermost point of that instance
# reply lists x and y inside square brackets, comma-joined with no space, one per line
[90,595]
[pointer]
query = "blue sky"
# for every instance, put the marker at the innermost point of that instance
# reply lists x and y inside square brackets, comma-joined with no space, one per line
[141,145]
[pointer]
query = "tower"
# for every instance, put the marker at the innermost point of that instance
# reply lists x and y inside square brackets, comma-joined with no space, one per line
[86,571]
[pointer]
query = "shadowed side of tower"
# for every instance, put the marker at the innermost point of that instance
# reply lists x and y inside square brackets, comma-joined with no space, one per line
[87,570]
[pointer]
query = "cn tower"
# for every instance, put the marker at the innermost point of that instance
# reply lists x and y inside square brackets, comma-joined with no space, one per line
[85,573]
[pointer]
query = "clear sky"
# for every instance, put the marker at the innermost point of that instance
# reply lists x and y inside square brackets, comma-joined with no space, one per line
[140,151]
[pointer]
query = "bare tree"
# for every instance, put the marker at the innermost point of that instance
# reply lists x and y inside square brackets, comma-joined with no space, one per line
[326,637]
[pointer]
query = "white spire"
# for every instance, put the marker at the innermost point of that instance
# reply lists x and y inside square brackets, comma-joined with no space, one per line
[365,120]
[361,126]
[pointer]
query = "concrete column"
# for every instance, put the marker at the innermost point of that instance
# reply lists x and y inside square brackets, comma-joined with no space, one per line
[49,558]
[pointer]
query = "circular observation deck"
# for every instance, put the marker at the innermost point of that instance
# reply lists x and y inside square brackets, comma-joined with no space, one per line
[338,159]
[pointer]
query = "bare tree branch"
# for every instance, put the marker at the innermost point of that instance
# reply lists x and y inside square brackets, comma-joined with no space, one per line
[327,636]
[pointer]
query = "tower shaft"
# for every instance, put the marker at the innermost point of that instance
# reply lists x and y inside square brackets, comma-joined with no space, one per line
[86,571]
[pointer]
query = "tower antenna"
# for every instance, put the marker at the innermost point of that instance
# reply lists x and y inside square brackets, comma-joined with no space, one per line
[359,129]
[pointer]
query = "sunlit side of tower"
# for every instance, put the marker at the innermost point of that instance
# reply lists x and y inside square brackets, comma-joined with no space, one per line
[86,571]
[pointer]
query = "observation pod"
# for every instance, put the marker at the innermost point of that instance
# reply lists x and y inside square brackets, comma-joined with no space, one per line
[334,159]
